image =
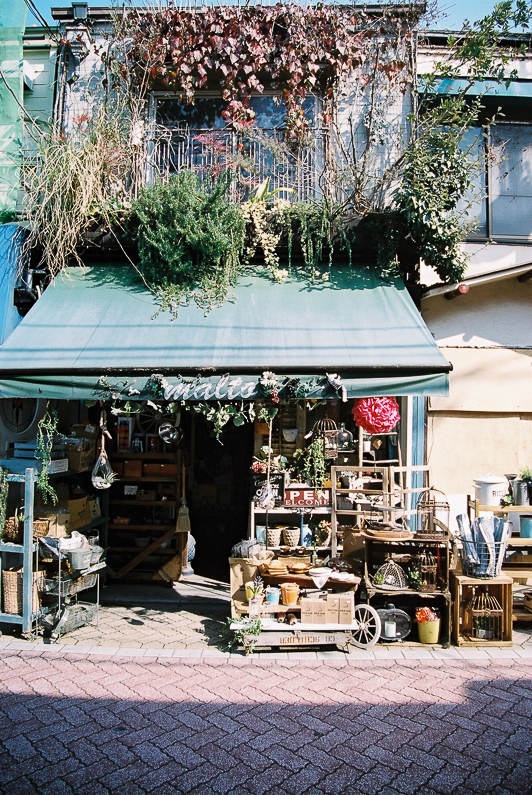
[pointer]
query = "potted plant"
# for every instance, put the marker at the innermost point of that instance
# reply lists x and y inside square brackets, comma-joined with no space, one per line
[255,595]
[309,464]
[526,477]
[428,624]
[521,487]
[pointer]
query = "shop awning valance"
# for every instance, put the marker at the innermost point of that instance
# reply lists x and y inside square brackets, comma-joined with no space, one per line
[102,322]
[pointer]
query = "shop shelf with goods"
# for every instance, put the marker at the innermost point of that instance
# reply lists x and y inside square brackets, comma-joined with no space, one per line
[143,507]
[518,558]
[19,560]
[374,509]
[411,573]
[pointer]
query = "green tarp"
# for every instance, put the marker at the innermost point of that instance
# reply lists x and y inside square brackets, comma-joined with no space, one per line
[101,321]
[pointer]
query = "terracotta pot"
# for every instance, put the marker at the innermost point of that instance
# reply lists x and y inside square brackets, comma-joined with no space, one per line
[289,593]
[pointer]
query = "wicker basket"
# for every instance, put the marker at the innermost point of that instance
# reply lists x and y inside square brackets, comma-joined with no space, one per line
[12,591]
[40,527]
[13,530]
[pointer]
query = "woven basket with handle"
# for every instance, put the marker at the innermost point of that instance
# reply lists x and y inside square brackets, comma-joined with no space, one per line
[13,531]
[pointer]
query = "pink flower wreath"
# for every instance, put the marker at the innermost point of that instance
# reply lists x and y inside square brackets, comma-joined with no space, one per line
[376,414]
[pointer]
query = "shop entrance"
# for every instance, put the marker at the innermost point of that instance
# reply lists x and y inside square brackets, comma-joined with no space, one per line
[218,486]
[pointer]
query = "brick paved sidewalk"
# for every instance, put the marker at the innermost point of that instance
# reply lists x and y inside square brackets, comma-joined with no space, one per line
[79,723]
[186,628]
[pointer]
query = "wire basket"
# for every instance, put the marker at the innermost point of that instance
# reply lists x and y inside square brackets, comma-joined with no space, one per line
[390,576]
[67,587]
[480,559]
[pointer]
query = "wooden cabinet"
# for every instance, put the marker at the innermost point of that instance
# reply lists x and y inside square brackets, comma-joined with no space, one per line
[143,504]
[482,610]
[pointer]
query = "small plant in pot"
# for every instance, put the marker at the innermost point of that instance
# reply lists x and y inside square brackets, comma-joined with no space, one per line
[428,624]
[521,487]
[526,477]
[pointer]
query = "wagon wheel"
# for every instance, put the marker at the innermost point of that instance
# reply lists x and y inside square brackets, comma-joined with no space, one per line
[367,627]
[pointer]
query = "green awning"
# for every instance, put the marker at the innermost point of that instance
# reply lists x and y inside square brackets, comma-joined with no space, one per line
[102,322]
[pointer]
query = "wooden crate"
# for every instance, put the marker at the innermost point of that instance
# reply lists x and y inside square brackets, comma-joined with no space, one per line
[463,589]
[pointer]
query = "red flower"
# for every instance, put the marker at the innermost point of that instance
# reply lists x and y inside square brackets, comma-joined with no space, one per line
[426,614]
[376,414]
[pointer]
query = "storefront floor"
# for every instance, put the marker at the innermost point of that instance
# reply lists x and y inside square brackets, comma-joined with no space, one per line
[190,620]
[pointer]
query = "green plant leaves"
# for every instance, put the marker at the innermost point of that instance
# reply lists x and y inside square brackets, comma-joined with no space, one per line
[190,239]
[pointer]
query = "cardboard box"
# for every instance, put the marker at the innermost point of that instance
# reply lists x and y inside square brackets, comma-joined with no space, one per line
[346,608]
[313,610]
[132,469]
[85,431]
[333,609]
[79,513]
[80,460]
[58,522]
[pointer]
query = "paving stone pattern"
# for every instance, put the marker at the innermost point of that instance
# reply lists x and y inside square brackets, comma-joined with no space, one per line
[72,721]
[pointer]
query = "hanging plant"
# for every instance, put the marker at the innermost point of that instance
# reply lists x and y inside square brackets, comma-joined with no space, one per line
[3,498]
[47,434]
[313,466]
[376,414]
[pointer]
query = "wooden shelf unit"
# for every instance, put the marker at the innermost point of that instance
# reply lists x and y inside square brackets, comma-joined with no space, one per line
[152,516]
[463,588]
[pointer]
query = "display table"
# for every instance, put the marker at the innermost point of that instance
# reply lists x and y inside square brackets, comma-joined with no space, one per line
[266,631]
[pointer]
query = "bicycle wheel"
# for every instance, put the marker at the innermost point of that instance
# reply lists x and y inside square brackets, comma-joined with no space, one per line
[368,627]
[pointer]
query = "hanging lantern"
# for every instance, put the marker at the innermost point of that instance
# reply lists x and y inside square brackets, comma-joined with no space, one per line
[344,439]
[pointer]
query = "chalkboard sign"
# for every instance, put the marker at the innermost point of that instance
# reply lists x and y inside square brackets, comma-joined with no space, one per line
[267,495]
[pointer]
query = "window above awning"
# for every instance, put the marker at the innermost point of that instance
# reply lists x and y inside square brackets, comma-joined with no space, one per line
[102,321]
